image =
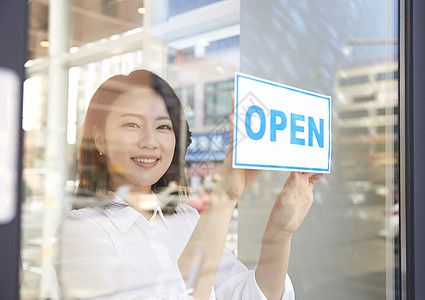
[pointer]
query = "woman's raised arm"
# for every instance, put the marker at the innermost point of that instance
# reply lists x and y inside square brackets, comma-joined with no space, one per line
[209,236]
[291,207]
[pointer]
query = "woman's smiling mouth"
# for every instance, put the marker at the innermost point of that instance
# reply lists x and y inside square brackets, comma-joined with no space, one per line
[146,162]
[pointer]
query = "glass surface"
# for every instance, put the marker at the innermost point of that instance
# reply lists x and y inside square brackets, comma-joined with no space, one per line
[347,245]
[176,7]
[186,95]
[91,21]
[218,105]
[9,133]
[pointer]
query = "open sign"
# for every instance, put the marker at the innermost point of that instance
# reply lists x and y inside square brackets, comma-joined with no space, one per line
[279,127]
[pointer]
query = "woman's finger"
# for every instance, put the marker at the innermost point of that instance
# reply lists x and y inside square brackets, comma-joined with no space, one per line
[305,175]
[231,120]
[231,117]
[315,177]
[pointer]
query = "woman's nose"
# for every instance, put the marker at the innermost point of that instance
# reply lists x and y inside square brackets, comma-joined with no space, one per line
[147,138]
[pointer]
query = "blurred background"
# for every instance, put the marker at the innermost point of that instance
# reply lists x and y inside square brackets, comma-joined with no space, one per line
[348,246]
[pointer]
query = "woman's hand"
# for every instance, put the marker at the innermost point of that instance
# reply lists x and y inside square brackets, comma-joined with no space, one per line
[234,181]
[293,203]
[291,207]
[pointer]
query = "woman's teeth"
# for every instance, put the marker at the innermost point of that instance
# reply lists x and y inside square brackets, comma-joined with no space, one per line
[145,160]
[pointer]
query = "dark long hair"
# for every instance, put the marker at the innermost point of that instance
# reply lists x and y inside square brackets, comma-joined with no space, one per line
[94,178]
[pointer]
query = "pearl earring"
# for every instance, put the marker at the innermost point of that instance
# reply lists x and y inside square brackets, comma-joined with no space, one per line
[101,153]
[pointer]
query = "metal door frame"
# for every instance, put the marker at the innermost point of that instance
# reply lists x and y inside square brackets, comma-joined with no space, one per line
[13,34]
[13,47]
[412,148]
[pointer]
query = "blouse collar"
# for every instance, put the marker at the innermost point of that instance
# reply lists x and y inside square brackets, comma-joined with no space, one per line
[124,216]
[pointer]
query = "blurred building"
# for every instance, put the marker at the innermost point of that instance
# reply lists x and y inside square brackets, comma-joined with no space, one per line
[366,126]
[194,45]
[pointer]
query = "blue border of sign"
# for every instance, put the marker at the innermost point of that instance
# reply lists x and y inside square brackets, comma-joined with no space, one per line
[237,76]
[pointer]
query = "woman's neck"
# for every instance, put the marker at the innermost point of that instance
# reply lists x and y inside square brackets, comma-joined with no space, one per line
[144,203]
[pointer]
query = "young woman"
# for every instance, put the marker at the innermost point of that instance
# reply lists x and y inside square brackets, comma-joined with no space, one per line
[140,246]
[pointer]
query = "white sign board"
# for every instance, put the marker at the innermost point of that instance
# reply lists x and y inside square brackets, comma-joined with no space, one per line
[9,145]
[278,127]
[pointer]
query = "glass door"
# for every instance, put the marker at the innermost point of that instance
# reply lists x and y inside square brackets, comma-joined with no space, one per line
[348,246]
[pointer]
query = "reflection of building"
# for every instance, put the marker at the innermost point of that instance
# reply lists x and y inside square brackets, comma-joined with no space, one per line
[91,21]
[193,44]
[365,121]
[201,68]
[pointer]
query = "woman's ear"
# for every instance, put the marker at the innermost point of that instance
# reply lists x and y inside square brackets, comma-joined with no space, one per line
[99,141]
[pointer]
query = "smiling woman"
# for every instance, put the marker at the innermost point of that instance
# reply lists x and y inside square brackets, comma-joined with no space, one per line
[138,147]
[141,246]
[138,114]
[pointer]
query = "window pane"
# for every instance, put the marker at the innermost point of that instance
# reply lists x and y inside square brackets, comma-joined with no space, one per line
[90,21]
[346,248]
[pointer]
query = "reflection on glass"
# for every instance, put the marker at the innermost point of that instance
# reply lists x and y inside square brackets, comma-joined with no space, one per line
[348,244]
[137,237]
[9,141]
[91,21]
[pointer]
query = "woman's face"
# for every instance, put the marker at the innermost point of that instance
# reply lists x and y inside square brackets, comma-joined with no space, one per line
[138,141]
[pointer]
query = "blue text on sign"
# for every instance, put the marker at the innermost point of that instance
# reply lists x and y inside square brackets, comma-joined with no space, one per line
[278,122]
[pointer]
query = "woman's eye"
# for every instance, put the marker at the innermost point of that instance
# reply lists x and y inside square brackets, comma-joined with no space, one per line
[131,125]
[165,127]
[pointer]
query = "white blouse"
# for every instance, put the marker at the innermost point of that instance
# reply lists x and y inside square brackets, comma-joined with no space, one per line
[115,253]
